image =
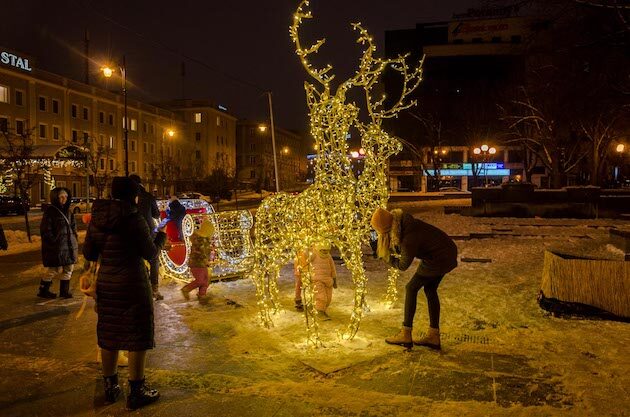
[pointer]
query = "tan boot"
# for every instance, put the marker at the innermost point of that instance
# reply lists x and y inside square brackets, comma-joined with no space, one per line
[403,338]
[431,340]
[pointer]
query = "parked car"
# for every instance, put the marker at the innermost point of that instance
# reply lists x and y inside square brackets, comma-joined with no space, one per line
[80,205]
[194,195]
[12,204]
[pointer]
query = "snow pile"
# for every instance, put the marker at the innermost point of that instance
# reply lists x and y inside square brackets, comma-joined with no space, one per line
[18,242]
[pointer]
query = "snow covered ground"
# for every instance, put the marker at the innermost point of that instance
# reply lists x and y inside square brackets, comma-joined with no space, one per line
[502,354]
[18,242]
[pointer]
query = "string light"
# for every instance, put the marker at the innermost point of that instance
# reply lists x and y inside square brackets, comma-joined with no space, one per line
[336,209]
[231,239]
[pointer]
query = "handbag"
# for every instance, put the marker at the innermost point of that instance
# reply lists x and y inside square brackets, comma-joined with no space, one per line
[87,284]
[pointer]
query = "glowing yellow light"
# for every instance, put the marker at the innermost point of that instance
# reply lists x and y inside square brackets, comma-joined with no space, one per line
[476,151]
[285,150]
[361,151]
[107,71]
[262,128]
[354,154]
[484,148]
[170,132]
[492,151]
[336,209]
[444,151]
[620,148]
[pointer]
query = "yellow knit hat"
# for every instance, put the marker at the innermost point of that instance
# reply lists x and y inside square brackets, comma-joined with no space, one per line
[206,229]
[382,221]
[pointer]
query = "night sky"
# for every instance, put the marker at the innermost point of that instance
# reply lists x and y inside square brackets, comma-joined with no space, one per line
[246,40]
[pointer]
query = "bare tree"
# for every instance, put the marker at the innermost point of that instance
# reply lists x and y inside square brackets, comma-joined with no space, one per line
[18,156]
[98,154]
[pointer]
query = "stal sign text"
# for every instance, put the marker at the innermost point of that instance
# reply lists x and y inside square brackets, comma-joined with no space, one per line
[13,60]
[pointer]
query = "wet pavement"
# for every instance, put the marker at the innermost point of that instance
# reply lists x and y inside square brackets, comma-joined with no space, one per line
[50,369]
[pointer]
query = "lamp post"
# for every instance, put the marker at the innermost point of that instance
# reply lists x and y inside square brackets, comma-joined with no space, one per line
[485,150]
[263,129]
[619,149]
[108,72]
[170,133]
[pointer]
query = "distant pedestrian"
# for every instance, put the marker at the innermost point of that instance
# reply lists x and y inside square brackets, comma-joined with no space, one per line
[4,245]
[147,206]
[199,261]
[58,230]
[118,235]
[177,212]
[401,238]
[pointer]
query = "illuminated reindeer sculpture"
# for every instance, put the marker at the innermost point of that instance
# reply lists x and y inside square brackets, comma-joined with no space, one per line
[336,209]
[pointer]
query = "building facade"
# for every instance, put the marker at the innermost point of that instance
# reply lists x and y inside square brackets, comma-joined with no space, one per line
[213,134]
[471,64]
[168,144]
[255,164]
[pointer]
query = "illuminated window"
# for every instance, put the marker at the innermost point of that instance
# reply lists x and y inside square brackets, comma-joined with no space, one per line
[112,142]
[218,120]
[133,124]
[4,94]
[197,117]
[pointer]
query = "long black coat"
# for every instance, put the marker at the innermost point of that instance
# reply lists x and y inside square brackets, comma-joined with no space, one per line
[421,240]
[58,230]
[147,206]
[120,236]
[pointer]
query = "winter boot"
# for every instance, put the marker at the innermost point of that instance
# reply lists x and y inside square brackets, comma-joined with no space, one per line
[44,290]
[140,395]
[431,340]
[64,289]
[186,293]
[403,338]
[112,389]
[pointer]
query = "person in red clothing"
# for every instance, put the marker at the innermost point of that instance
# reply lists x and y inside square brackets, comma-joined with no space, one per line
[199,261]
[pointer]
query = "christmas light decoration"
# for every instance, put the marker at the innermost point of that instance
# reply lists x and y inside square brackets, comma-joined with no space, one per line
[337,208]
[233,246]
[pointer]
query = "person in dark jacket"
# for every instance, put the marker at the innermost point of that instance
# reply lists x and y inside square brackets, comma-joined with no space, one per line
[147,206]
[58,230]
[401,238]
[177,212]
[118,234]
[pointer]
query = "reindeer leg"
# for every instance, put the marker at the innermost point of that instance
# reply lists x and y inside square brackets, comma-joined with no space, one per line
[354,263]
[258,276]
[310,314]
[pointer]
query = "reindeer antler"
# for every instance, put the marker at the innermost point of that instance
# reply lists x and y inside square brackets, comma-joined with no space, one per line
[319,74]
[411,80]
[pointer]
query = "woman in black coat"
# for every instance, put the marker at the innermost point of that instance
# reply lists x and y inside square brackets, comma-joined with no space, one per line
[60,248]
[119,235]
[401,238]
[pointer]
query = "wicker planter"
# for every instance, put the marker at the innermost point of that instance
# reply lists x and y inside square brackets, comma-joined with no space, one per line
[604,284]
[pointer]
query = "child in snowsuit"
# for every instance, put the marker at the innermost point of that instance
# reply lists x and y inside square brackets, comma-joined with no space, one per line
[324,276]
[201,246]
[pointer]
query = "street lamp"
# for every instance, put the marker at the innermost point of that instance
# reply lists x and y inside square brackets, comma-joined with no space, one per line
[263,128]
[108,72]
[485,150]
[170,133]
[619,149]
